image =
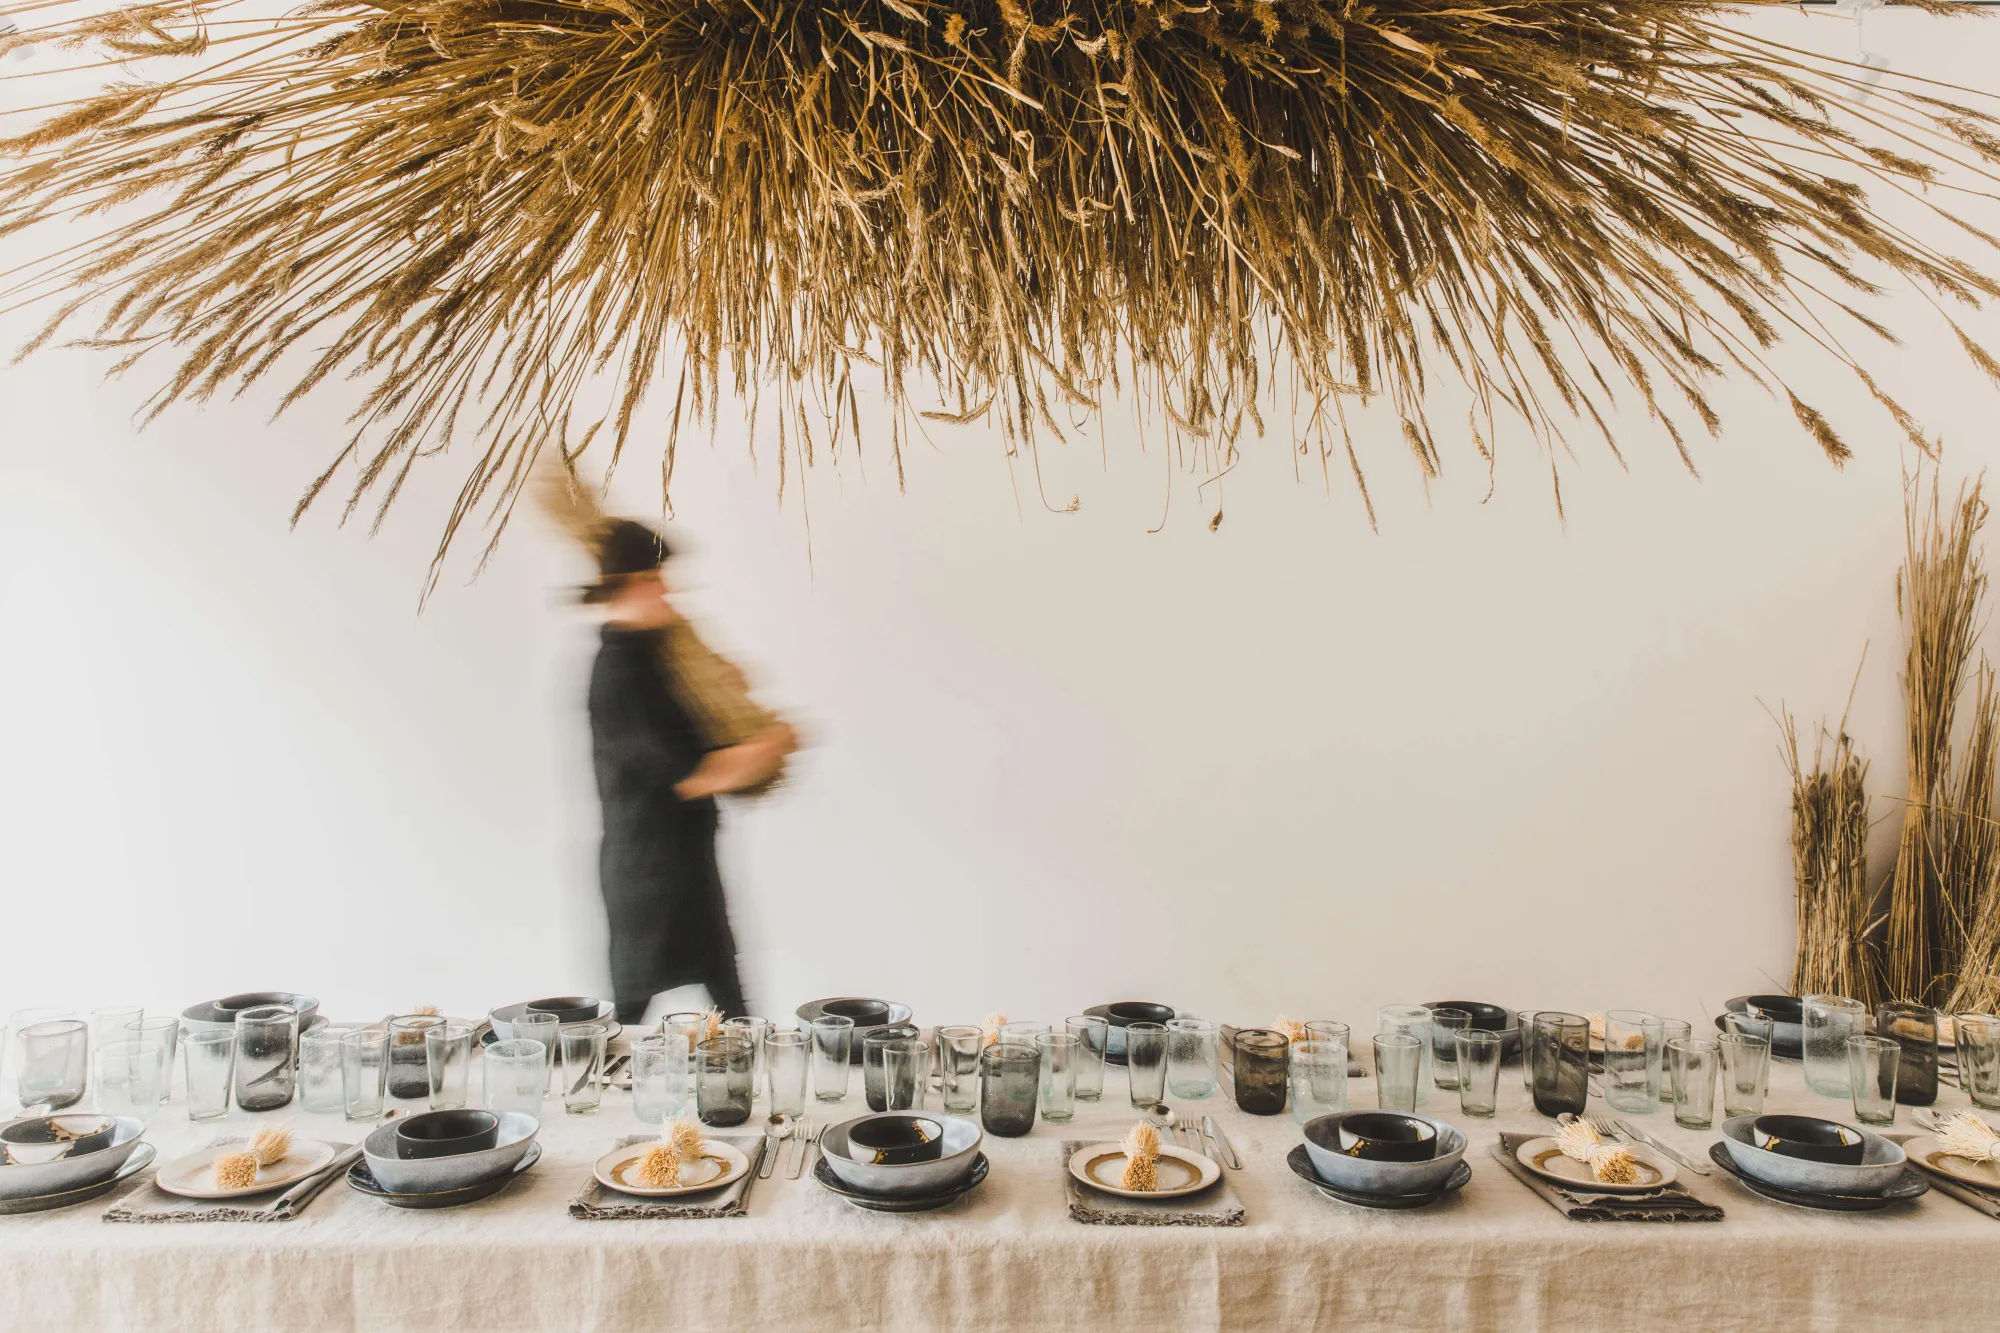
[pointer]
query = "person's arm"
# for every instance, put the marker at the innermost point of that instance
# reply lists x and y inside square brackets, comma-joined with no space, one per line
[740,766]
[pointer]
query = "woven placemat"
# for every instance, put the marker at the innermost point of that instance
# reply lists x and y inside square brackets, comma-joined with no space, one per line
[1216,1206]
[595,1203]
[1672,1204]
[150,1203]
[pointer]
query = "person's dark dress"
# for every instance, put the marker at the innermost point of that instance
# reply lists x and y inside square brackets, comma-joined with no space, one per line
[662,891]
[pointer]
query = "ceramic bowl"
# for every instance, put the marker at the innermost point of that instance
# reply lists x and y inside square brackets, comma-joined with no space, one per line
[1882,1163]
[1364,1176]
[1810,1138]
[44,1138]
[960,1148]
[29,1180]
[1488,1018]
[865,1013]
[428,1175]
[446,1134]
[222,1013]
[569,1008]
[1387,1136]
[1126,1012]
[895,1140]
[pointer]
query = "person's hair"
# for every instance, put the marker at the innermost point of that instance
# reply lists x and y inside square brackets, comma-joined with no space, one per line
[625,548]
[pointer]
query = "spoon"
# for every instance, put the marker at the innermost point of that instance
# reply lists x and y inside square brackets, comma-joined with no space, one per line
[1161,1117]
[777,1127]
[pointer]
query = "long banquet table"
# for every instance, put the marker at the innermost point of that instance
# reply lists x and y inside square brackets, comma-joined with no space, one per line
[1008,1255]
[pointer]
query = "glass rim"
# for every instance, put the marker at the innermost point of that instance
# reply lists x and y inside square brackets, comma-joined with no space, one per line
[956,1030]
[1058,1039]
[1479,1037]
[748,1022]
[784,1037]
[266,1013]
[1692,1044]
[124,1048]
[1868,1041]
[1749,1039]
[1318,1047]
[212,1037]
[360,1037]
[1840,1002]
[55,1026]
[1262,1037]
[515,1047]
[1453,1010]
[1559,1019]
[1191,1025]
[1009,1049]
[1088,1020]
[1399,1040]
[832,1021]
[449,1031]
[1396,1012]
[152,1024]
[1145,1026]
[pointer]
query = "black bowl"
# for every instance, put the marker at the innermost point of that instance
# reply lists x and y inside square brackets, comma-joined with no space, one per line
[447,1133]
[48,1138]
[567,1008]
[1808,1137]
[865,1013]
[895,1140]
[1777,1008]
[1386,1136]
[1127,1012]
[1486,1017]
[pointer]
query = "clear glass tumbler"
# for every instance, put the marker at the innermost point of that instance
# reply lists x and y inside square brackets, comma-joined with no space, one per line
[580,1063]
[164,1036]
[1632,1061]
[1414,1019]
[320,1088]
[1446,1024]
[1978,1038]
[1559,1050]
[1829,1021]
[833,1051]
[1191,1058]
[448,1061]
[1691,1065]
[409,1072]
[516,1076]
[108,1023]
[871,1060]
[1914,1027]
[1058,1076]
[1010,1078]
[722,1079]
[1022,1033]
[55,1064]
[1399,1065]
[1528,1017]
[267,1044]
[1872,1063]
[754,1029]
[1478,1072]
[1092,1034]
[210,1057]
[1319,1077]
[959,1046]
[1146,1063]
[785,1070]
[904,1069]
[659,1078]
[129,1077]
[1746,1074]
[364,1073]
[541,1028]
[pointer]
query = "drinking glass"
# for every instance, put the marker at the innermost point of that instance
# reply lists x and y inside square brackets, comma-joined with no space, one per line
[722,1066]
[1446,1024]
[1022,1033]
[1399,1064]
[364,1073]
[448,1062]
[1528,1018]
[163,1035]
[1010,1078]
[210,1056]
[55,1064]
[754,1029]
[516,1076]
[691,1027]
[267,1042]
[871,1060]
[1058,1076]
[320,1087]
[108,1023]
[11,1059]
[1478,1072]
[1191,1058]
[1871,1073]
[1092,1034]
[1326,1029]
[1671,1029]
[1750,1025]
[1632,1061]
[1319,1078]
[1414,1019]
[1691,1063]
[1746,1074]
[902,1073]
[1978,1037]
[659,1077]
[580,1057]
[538,1027]
[1914,1027]
[1559,1049]
[409,1072]
[1146,1063]
[833,1044]
[785,1070]
[129,1077]
[1263,1070]
[958,1065]
[1829,1021]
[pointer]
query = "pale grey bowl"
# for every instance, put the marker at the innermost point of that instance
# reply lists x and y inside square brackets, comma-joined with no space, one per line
[1882,1163]
[209,1015]
[1366,1176]
[961,1145]
[429,1175]
[70,1173]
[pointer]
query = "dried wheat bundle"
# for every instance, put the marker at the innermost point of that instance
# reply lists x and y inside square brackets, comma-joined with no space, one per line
[269,1146]
[1010,209]
[1830,866]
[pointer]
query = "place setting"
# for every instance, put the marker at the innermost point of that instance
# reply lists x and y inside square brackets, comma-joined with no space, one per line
[444,1159]
[269,1176]
[54,1161]
[1960,1153]
[1381,1159]
[683,1171]
[901,1161]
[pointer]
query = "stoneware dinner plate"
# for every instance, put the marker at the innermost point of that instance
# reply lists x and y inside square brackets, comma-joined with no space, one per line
[720,1164]
[1927,1151]
[193,1176]
[362,1180]
[1542,1157]
[141,1158]
[899,1203]
[1908,1186]
[1180,1172]
[1302,1165]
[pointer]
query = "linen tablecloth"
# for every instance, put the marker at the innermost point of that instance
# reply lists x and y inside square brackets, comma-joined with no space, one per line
[1008,1255]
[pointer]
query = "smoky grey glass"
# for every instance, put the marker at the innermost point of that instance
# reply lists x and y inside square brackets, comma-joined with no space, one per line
[267,1043]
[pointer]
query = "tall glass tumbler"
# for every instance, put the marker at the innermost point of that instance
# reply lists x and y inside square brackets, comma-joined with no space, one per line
[785,1070]
[722,1074]
[1872,1064]
[164,1036]
[516,1076]
[267,1044]
[833,1046]
[541,1029]
[108,1022]
[1691,1064]
[320,1090]
[1528,1017]
[1750,1025]
[364,1073]
[659,1078]
[1446,1024]
[959,1046]
[1914,1027]
[1010,1079]
[1093,1035]
[1058,1076]
[1559,1050]
[1319,1078]
[1191,1058]
[1632,1061]
[1478,1072]
[448,1062]
[1829,1021]
[1263,1070]
[903,1068]
[871,1060]
[754,1029]
[580,1066]
[1022,1033]
[409,1059]
[1746,1074]
[129,1075]
[1978,1038]
[1399,1065]
[210,1056]
[1414,1019]
[1146,1064]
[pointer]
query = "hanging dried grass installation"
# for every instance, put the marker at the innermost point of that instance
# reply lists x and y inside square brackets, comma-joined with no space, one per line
[1011,208]
[1830,866]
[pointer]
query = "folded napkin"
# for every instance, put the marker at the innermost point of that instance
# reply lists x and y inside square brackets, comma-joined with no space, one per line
[1216,1206]
[150,1203]
[1976,1199]
[595,1203]
[1672,1204]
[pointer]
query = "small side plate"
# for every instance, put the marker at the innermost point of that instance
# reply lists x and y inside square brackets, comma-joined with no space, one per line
[141,1158]
[1541,1156]
[877,1203]
[1908,1186]
[1927,1151]
[361,1179]
[720,1165]
[1180,1172]
[1301,1163]
[193,1176]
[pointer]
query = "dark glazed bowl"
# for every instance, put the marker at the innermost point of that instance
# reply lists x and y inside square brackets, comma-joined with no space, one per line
[1387,1136]
[447,1134]
[895,1140]
[568,1008]
[1127,1012]
[1808,1138]
[865,1013]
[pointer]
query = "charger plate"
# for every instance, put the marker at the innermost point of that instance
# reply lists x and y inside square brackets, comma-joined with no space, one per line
[1908,1186]
[362,1180]
[141,1158]
[1180,1172]
[1301,1163]
[193,1176]
[720,1164]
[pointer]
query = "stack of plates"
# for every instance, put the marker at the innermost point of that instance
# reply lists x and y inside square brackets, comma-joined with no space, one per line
[1882,1177]
[911,1187]
[386,1173]
[75,1157]
[1372,1183]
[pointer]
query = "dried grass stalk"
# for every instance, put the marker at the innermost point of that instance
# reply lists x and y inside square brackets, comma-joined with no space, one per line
[1009,207]
[1830,866]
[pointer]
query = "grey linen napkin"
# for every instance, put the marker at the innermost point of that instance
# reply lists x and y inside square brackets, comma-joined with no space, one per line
[150,1203]
[1975,1199]
[1673,1204]
[1216,1206]
[596,1203]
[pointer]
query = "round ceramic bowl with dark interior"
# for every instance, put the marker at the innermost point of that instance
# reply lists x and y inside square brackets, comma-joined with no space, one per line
[34,1179]
[434,1175]
[568,1008]
[958,1150]
[1388,1136]
[1487,1018]
[1808,1138]
[865,1013]
[1121,1015]
[1365,1175]
[446,1134]
[45,1138]
[895,1140]
[210,1014]
[1882,1161]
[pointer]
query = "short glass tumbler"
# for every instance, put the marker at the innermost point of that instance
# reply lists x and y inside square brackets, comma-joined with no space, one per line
[580,1066]
[722,1079]
[516,1076]
[1978,1037]
[1010,1078]
[267,1042]
[1829,1021]
[1914,1027]
[1746,1074]
[833,1049]
[958,1051]
[1414,1019]
[1092,1034]
[659,1078]
[1478,1072]
[1146,1064]
[785,1070]
[1319,1078]
[541,1029]
[320,1088]
[1559,1053]
[164,1035]
[1399,1064]
[905,1068]
[1263,1070]
[448,1063]
[1691,1065]
[1632,1061]
[1446,1024]
[210,1058]
[128,1079]
[1191,1058]
[1872,1063]
[364,1073]
[1058,1076]
[409,1059]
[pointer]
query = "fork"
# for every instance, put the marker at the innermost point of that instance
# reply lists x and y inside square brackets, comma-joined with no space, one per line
[807,1143]
[1634,1132]
[1189,1126]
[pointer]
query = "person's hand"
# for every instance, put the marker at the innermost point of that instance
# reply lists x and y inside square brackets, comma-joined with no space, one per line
[735,767]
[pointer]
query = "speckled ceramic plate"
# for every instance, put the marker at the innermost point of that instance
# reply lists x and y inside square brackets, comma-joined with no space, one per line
[1180,1172]
[1908,1186]
[362,1180]
[1542,1157]
[897,1203]
[193,1176]
[1302,1166]
[720,1164]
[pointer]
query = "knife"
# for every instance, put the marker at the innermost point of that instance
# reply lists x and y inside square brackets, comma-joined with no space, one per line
[1214,1131]
[1632,1131]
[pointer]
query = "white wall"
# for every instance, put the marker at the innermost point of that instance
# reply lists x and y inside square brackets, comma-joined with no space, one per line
[1291,765]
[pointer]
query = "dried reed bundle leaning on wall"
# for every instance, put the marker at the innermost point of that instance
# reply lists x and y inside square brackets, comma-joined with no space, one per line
[1976,989]
[1830,866]
[1007,208]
